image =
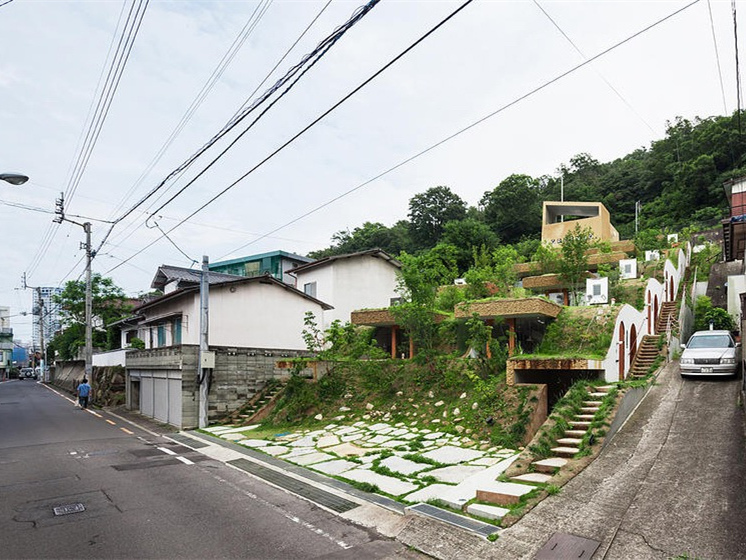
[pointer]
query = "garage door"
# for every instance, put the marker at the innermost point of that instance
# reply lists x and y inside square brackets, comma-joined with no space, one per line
[160,395]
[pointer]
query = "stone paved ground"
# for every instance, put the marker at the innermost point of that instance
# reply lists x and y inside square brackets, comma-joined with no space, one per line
[408,463]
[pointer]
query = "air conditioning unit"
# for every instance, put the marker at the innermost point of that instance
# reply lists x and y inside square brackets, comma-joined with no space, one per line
[597,291]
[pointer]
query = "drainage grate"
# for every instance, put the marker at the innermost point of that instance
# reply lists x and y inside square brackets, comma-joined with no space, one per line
[563,546]
[478,527]
[186,440]
[147,464]
[69,508]
[312,493]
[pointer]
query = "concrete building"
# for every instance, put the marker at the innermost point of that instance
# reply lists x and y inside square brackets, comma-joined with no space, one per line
[6,343]
[276,263]
[559,218]
[42,300]
[255,324]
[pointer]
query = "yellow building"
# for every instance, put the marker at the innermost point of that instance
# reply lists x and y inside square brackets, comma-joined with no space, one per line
[559,218]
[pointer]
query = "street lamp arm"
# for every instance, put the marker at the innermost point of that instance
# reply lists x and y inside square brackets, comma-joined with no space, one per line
[13,178]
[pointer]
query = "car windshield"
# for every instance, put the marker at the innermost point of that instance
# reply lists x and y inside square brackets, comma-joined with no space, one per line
[710,341]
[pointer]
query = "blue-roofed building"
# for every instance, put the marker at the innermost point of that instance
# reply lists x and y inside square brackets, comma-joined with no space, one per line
[276,263]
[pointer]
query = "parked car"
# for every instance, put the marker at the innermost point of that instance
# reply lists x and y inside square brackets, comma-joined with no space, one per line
[27,373]
[711,353]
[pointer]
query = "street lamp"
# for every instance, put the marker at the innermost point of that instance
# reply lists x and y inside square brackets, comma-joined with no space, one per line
[13,178]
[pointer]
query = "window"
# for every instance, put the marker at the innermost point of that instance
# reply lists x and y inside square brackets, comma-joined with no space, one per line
[310,289]
[596,289]
[253,268]
[161,335]
[177,331]
[627,269]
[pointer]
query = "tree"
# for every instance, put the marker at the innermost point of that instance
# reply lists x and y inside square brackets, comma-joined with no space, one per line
[430,211]
[109,304]
[467,236]
[574,262]
[513,208]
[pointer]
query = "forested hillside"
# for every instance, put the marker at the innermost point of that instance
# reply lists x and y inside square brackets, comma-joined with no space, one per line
[678,180]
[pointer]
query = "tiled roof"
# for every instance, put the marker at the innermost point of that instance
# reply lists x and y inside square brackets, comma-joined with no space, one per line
[167,273]
[376,253]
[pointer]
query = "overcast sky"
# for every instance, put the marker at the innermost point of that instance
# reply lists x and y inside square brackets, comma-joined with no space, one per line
[54,54]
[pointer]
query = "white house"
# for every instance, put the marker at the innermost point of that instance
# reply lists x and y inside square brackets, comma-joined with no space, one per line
[255,324]
[365,280]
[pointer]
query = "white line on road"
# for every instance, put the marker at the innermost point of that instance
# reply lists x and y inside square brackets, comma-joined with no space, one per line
[184,460]
[166,450]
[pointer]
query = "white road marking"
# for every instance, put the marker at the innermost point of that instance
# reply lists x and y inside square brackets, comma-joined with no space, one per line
[166,450]
[184,460]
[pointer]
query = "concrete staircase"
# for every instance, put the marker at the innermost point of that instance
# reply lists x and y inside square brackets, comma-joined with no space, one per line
[505,494]
[258,406]
[645,356]
[569,445]
[669,311]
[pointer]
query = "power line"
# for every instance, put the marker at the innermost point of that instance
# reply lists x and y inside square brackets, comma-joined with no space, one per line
[248,28]
[465,129]
[600,75]
[738,71]
[422,152]
[300,67]
[316,120]
[96,120]
[717,57]
[236,114]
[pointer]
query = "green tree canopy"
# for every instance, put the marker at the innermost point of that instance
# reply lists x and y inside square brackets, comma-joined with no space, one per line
[513,208]
[430,211]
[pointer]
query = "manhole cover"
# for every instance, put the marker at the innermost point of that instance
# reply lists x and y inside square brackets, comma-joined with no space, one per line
[69,508]
[563,546]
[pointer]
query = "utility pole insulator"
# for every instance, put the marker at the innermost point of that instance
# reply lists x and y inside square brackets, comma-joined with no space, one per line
[59,209]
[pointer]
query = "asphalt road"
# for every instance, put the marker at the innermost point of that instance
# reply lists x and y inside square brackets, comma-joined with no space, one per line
[144,496]
[670,484]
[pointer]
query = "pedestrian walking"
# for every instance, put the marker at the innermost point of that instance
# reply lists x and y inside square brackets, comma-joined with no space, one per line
[84,392]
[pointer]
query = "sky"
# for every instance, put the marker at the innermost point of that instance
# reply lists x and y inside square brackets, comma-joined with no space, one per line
[486,61]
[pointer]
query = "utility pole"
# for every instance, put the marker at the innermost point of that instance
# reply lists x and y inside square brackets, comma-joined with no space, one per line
[638,207]
[41,336]
[88,303]
[206,358]
[89,254]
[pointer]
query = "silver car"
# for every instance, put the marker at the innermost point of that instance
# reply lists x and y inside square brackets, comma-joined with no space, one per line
[711,353]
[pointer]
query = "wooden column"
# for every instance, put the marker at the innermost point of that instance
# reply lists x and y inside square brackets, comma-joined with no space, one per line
[490,323]
[394,328]
[511,336]
[411,348]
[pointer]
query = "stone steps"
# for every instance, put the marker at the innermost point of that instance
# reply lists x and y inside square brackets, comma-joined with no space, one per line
[565,451]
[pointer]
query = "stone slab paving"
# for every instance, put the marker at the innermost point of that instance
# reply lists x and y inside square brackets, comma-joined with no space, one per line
[273,450]
[432,492]
[298,451]
[454,474]
[377,440]
[327,441]
[306,441]
[487,512]
[335,467]
[403,466]
[537,478]
[387,484]
[395,443]
[452,455]
[312,458]
[348,450]
[253,442]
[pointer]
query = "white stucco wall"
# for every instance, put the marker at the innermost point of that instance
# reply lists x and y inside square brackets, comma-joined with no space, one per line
[254,315]
[348,284]
[653,290]
[627,317]
[258,315]
[736,286]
